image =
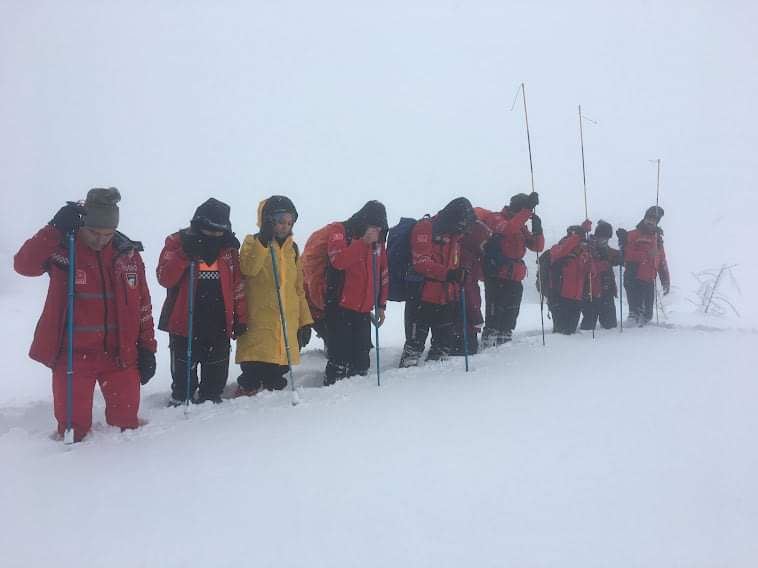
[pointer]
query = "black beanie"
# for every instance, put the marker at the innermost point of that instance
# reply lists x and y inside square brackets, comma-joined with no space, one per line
[213,215]
[604,230]
[655,211]
[455,217]
[279,204]
[373,213]
[518,202]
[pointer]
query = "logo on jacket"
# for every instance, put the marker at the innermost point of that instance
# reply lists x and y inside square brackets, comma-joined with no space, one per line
[131,279]
[81,276]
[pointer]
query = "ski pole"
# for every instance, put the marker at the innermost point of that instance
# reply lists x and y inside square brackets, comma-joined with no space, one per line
[376,311]
[190,330]
[531,172]
[68,435]
[657,200]
[465,325]
[277,284]
[586,210]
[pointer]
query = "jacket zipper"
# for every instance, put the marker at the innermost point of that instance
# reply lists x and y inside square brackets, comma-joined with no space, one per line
[105,301]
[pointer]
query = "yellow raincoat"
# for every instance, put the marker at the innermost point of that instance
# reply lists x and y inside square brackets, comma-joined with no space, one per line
[263,340]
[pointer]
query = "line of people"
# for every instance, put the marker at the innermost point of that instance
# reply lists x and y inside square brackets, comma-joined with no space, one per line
[339,286]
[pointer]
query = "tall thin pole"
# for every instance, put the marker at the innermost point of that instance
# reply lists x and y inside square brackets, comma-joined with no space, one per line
[190,331]
[657,201]
[283,318]
[586,210]
[68,434]
[531,172]
[377,289]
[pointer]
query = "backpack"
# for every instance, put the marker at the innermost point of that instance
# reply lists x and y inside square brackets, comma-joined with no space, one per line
[405,282]
[550,274]
[315,262]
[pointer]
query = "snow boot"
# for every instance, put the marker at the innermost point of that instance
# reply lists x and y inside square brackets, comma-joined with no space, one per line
[409,358]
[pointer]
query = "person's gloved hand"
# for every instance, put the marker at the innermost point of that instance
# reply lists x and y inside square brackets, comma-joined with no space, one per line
[304,336]
[455,275]
[146,365]
[193,244]
[69,218]
[238,330]
[266,234]
[533,200]
[622,234]
[536,225]
[586,225]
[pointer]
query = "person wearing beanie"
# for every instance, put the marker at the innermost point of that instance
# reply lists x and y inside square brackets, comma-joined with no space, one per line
[599,301]
[352,249]
[113,338]
[570,260]
[504,267]
[436,256]
[261,352]
[219,310]
[644,262]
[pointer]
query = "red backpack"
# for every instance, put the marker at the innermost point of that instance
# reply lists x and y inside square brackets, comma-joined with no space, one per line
[315,263]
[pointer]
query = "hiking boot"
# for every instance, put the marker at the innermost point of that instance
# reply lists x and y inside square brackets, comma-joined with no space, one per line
[409,358]
[436,354]
[242,391]
[491,338]
[174,402]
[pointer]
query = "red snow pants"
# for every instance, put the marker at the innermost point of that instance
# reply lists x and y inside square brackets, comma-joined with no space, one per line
[120,388]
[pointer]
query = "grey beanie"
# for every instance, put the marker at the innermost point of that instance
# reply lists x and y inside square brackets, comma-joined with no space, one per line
[101,208]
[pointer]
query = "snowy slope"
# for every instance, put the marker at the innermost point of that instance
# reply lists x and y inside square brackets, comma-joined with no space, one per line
[629,450]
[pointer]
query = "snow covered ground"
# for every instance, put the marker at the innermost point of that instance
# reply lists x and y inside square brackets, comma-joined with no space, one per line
[633,449]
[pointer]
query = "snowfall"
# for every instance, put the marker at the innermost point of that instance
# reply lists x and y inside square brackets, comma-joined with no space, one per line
[626,449]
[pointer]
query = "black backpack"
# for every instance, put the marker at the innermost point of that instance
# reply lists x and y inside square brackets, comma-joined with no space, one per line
[550,275]
[405,282]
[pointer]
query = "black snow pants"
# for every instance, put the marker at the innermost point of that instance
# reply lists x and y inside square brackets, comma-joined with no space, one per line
[641,298]
[602,309]
[213,357]
[503,303]
[566,315]
[423,317]
[350,344]
[257,375]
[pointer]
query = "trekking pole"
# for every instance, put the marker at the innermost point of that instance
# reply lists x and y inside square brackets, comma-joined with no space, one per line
[586,211]
[465,325]
[190,330]
[68,435]
[375,274]
[277,284]
[657,199]
[531,172]
[621,291]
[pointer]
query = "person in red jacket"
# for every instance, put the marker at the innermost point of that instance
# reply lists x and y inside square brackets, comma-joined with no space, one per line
[504,266]
[645,260]
[472,254]
[436,256]
[114,340]
[219,311]
[572,260]
[602,305]
[353,247]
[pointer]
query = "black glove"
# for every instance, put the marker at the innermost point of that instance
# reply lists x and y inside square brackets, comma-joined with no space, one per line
[238,330]
[304,336]
[146,365]
[536,225]
[532,200]
[455,275]
[266,234]
[621,234]
[193,244]
[69,218]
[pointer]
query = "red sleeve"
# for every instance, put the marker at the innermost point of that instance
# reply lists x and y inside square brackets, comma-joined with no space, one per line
[422,250]
[33,256]
[537,244]
[146,324]
[172,263]
[342,255]
[513,225]
[565,248]
[385,279]
[238,289]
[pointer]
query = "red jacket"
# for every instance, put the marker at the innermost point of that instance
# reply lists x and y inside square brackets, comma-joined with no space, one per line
[515,239]
[645,256]
[432,257]
[112,309]
[603,260]
[173,273]
[575,261]
[354,260]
